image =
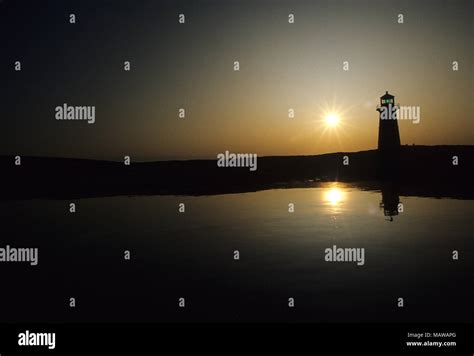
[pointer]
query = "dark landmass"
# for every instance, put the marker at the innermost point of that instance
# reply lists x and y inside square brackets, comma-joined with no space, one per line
[421,170]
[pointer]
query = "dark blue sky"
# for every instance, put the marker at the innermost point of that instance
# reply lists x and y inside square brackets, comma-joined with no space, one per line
[283,66]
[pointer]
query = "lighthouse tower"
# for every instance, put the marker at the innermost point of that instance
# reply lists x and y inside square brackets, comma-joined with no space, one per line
[389,136]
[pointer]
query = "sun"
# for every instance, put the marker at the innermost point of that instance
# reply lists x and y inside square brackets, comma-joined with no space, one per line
[332,120]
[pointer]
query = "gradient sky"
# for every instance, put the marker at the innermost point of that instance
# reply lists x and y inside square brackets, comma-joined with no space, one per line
[283,66]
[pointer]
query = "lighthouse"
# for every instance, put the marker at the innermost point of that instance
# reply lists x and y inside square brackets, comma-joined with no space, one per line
[389,136]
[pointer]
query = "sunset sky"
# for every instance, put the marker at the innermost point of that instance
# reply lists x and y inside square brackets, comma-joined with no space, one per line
[190,66]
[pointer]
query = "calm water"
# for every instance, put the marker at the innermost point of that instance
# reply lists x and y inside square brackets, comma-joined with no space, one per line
[281,256]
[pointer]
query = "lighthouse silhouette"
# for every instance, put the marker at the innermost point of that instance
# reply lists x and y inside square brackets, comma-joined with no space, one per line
[389,136]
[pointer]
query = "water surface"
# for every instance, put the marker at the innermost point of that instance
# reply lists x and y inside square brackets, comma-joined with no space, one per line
[282,255]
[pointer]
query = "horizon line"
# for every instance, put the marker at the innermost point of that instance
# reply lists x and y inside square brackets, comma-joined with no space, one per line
[3,156]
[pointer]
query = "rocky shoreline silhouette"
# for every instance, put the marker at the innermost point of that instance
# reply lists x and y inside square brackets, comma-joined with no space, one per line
[419,170]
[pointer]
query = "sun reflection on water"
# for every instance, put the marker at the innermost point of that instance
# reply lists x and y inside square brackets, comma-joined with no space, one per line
[334,195]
